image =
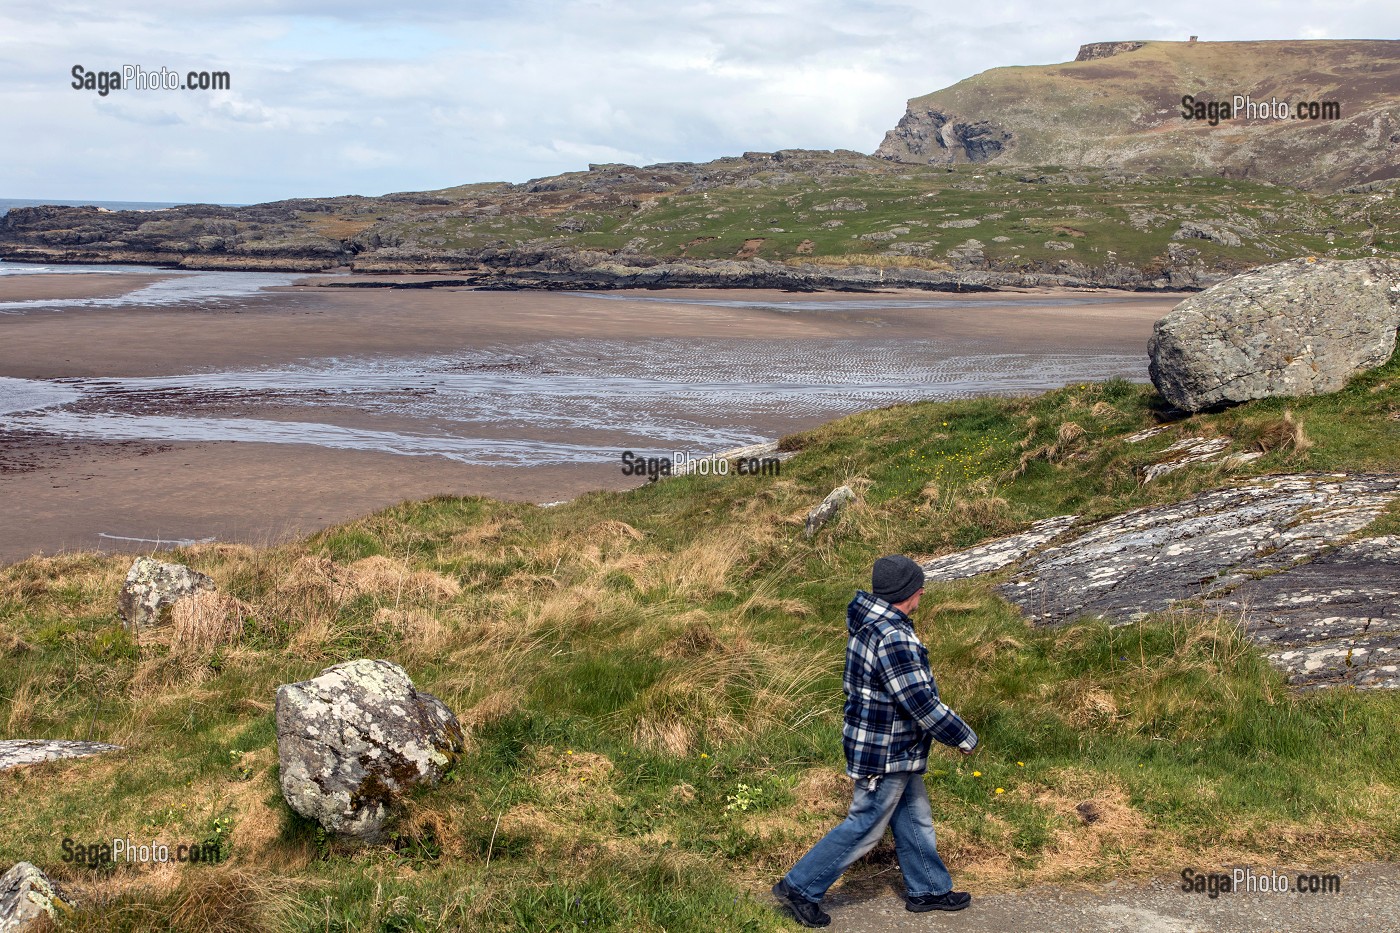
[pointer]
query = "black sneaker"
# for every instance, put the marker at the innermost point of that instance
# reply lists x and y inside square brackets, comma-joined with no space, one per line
[808,913]
[953,900]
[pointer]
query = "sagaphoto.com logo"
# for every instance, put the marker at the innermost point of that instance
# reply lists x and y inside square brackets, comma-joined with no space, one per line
[134,77]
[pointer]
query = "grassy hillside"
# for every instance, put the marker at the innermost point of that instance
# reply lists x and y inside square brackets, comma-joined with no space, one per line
[1124,111]
[798,208]
[651,686]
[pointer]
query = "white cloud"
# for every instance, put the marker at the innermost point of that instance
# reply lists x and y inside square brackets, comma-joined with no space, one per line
[429,94]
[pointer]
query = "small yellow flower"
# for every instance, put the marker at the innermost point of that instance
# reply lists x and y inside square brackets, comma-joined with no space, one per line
[1000,791]
[1020,764]
[977,774]
[569,752]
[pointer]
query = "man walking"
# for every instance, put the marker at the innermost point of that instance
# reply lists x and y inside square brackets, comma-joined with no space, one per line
[892,715]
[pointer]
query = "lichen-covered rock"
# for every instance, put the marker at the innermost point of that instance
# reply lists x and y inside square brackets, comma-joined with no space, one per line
[825,512]
[1273,553]
[355,739]
[994,555]
[1334,620]
[1302,327]
[28,899]
[17,752]
[153,587]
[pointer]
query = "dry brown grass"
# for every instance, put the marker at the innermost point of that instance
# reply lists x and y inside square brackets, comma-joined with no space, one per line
[733,689]
[1085,704]
[24,702]
[10,642]
[992,513]
[392,580]
[1067,442]
[1283,434]
[989,651]
[207,619]
[568,779]
[424,634]
[493,707]
[701,570]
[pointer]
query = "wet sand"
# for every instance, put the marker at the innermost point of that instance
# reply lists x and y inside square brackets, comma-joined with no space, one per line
[61,286]
[68,493]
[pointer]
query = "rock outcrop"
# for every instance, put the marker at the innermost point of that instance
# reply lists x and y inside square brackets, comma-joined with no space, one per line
[152,589]
[357,738]
[995,555]
[17,752]
[1302,327]
[1092,50]
[938,137]
[1275,553]
[29,901]
[1118,107]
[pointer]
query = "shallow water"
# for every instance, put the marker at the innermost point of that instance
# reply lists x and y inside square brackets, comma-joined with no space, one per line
[551,402]
[182,287]
[873,303]
[10,267]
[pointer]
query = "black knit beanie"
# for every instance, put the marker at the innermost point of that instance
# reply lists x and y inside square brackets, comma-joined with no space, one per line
[895,578]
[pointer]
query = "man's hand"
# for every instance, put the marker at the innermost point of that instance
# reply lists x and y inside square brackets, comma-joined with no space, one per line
[969,752]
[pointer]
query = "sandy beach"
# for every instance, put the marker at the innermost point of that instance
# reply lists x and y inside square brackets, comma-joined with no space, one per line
[61,286]
[481,382]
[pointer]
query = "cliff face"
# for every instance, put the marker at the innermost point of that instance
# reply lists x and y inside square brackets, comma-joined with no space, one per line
[1119,106]
[931,136]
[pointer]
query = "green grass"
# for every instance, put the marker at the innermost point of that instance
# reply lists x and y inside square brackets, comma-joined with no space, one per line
[1016,217]
[624,662]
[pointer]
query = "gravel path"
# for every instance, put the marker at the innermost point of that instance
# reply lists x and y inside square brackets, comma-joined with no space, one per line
[1369,901]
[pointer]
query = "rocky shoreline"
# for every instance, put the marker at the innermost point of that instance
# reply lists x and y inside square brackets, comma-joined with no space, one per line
[568,270]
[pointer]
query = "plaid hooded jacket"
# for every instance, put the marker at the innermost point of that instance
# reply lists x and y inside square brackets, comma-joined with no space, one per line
[892,707]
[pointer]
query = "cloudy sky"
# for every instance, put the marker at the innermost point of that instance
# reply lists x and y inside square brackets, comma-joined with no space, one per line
[349,96]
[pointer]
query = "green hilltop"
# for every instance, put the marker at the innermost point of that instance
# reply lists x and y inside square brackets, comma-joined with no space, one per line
[1120,107]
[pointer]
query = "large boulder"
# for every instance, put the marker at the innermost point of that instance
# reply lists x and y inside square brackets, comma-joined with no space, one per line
[29,900]
[1302,327]
[153,587]
[355,739]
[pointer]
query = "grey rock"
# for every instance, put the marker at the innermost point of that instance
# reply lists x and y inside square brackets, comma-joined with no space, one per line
[933,136]
[17,752]
[994,555]
[832,504]
[1191,229]
[29,900]
[969,252]
[357,738]
[1058,245]
[1092,50]
[152,587]
[1334,620]
[1301,327]
[1141,436]
[768,450]
[1263,550]
[960,224]
[1185,452]
[841,204]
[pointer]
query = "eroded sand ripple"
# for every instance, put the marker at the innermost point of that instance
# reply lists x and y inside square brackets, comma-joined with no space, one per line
[550,402]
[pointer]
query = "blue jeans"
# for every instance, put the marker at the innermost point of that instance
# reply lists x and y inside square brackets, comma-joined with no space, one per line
[898,800]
